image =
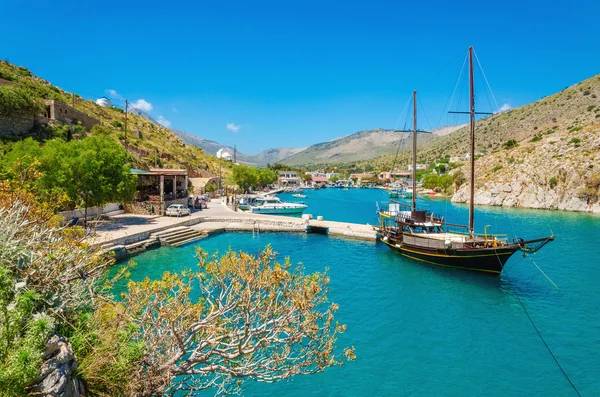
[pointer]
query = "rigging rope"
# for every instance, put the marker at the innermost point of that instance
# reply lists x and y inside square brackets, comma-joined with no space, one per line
[402,138]
[449,101]
[486,80]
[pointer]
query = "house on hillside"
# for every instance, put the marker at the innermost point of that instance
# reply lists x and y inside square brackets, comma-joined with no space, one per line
[393,175]
[419,167]
[158,188]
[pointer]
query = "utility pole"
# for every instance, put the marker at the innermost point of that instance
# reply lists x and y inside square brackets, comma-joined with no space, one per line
[73,99]
[156,158]
[220,177]
[126,106]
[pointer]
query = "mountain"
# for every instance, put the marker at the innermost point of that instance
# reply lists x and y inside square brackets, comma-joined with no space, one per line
[273,155]
[363,145]
[261,159]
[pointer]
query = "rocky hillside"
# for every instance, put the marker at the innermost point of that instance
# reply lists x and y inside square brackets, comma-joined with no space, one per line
[363,145]
[147,142]
[554,162]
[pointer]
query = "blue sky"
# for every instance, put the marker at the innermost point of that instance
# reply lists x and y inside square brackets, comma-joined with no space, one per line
[290,74]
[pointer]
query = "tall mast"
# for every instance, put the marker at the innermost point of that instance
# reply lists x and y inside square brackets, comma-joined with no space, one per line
[472,125]
[414,154]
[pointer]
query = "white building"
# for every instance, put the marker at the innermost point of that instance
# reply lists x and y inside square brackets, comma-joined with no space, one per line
[223,154]
[419,167]
[104,102]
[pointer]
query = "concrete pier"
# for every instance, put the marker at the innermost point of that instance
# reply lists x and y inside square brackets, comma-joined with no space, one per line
[128,232]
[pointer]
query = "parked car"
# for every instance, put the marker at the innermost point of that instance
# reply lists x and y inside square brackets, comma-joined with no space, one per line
[177,210]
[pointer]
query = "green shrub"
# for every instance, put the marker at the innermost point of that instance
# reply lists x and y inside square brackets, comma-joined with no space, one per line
[510,144]
[117,124]
[497,168]
[591,107]
[552,181]
[536,138]
[15,99]
[575,140]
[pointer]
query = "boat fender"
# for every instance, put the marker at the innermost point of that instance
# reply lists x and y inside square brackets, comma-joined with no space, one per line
[385,238]
[448,243]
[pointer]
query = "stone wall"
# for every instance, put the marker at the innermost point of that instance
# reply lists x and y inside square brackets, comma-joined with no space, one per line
[66,114]
[16,126]
[143,208]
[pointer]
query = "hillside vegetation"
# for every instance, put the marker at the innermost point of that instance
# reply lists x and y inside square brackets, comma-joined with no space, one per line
[147,143]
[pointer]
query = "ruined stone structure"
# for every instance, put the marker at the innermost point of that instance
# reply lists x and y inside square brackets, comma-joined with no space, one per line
[65,114]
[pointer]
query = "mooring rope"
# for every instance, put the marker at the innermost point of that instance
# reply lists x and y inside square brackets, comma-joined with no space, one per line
[535,327]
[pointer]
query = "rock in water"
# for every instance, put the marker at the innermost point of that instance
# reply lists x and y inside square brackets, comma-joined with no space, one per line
[56,374]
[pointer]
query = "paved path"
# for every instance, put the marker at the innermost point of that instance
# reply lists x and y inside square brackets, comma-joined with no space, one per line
[127,228]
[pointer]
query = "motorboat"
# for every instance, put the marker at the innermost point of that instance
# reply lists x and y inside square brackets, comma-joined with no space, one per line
[299,195]
[274,205]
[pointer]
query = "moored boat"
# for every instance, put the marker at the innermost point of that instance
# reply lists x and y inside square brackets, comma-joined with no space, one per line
[274,205]
[422,236]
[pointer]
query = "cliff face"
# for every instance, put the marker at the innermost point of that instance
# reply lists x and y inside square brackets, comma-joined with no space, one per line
[559,170]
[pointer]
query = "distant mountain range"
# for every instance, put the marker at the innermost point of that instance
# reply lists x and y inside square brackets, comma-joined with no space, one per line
[363,145]
[263,158]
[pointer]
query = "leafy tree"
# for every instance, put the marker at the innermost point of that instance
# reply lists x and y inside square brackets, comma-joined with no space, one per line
[445,182]
[210,187]
[266,177]
[430,181]
[307,177]
[96,167]
[245,177]
[334,178]
[459,178]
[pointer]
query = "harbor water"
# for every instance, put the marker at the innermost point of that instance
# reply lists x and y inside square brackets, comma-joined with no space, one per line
[423,330]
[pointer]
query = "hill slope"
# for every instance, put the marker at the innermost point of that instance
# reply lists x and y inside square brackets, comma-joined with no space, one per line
[147,142]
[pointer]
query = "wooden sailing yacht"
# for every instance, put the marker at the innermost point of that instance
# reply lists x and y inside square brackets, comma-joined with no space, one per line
[422,236]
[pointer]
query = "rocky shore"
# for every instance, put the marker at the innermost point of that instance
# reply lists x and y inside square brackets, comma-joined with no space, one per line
[520,194]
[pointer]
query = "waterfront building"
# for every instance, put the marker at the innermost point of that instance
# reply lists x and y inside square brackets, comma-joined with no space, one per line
[158,188]
[287,178]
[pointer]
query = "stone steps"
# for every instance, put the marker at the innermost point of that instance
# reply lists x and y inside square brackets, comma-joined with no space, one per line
[190,240]
[179,236]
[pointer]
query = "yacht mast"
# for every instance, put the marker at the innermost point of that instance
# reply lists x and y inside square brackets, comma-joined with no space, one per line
[472,125]
[414,154]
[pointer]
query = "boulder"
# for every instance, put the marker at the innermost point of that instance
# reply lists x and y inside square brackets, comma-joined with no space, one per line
[58,367]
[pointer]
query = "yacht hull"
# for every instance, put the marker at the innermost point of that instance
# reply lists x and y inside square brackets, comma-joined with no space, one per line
[280,210]
[488,260]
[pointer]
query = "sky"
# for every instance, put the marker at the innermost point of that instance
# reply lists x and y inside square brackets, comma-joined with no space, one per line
[266,74]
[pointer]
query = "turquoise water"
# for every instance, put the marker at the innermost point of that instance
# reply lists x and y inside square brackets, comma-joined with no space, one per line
[422,330]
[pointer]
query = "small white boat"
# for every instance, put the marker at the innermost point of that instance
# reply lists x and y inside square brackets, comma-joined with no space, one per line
[274,205]
[299,195]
